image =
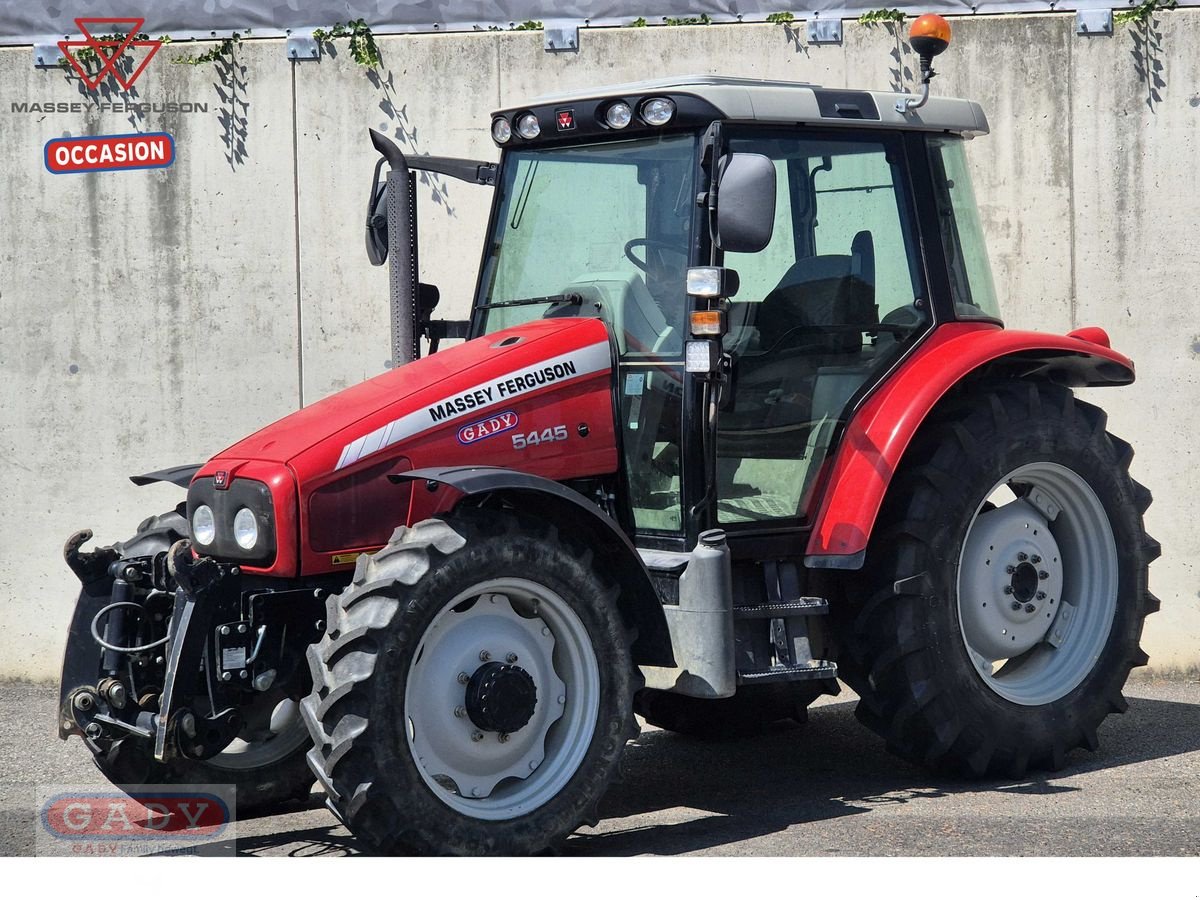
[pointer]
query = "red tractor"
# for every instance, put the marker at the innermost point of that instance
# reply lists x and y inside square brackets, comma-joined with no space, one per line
[736,416]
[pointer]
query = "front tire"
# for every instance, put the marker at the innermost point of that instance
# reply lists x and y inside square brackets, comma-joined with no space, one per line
[1006,584]
[473,692]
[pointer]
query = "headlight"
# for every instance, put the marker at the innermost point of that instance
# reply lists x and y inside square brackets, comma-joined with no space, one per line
[658,111]
[618,115]
[501,130]
[204,526]
[528,127]
[245,528]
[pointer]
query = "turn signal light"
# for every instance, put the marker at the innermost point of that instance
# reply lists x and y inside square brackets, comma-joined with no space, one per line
[707,321]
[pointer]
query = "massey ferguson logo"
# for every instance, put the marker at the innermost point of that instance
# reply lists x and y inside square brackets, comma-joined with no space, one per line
[221,480]
[109,52]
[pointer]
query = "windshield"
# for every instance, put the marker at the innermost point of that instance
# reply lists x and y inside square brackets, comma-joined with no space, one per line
[606,230]
[602,229]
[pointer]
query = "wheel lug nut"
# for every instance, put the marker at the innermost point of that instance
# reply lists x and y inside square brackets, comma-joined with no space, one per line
[1008,589]
[1016,604]
[459,712]
[1009,570]
[463,678]
[1035,559]
[484,656]
[477,736]
[1041,595]
[503,737]
[511,658]
[1029,607]
[1021,557]
[1043,575]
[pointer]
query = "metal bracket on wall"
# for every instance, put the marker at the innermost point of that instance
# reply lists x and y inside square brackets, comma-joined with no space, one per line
[560,37]
[1090,22]
[824,31]
[302,45]
[46,55]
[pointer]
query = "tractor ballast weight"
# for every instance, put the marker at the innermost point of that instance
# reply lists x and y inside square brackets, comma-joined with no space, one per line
[704,452]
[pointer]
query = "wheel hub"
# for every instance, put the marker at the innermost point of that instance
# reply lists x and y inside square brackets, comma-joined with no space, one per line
[1010,581]
[501,697]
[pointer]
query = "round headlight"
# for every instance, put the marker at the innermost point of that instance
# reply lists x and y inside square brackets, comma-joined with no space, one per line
[658,111]
[245,529]
[501,130]
[204,527]
[528,127]
[618,115]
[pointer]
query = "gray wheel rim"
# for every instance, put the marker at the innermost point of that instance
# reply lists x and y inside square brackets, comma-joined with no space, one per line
[273,732]
[478,773]
[1037,584]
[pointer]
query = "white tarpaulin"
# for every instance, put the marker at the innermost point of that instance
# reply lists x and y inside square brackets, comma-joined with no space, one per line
[25,22]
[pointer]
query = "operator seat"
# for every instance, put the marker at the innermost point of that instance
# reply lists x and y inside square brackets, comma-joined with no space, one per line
[829,289]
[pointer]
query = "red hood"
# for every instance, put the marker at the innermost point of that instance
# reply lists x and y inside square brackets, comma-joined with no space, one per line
[413,387]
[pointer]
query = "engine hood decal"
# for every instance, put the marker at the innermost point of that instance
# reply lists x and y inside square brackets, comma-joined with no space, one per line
[347,426]
[578,363]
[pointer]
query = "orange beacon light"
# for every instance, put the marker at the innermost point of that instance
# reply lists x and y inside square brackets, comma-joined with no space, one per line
[929,36]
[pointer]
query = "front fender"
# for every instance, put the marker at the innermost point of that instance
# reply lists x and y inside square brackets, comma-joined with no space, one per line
[880,431]
[573,514]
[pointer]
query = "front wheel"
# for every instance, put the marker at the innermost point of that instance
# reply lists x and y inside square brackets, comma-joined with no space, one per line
[1005,585]
[473,692]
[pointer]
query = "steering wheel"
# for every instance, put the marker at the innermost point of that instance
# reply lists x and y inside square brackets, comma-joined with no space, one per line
[649,244]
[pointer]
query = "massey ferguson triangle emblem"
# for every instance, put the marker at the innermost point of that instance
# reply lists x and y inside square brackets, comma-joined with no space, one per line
[102,50]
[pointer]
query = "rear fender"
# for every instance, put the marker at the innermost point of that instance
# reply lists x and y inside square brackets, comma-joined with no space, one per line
[574,515]
[880,431]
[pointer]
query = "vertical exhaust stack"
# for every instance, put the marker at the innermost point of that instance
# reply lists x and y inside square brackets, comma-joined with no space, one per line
[393,233]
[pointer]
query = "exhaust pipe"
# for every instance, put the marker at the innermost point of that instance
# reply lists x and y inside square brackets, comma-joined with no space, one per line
[394,234]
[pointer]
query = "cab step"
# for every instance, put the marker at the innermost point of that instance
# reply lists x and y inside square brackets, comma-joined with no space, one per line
[801,606]
[814,670]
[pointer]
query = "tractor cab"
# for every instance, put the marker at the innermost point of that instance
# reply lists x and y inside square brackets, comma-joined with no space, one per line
[805,208]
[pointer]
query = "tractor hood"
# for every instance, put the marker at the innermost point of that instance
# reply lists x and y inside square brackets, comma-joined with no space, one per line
[461,382]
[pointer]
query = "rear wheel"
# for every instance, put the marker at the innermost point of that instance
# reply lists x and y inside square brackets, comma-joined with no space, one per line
[473,692]
[1007,586]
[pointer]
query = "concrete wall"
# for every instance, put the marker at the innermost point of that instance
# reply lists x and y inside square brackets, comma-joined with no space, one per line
[151,318]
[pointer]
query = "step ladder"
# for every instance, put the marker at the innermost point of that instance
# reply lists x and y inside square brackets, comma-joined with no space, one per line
[786,613]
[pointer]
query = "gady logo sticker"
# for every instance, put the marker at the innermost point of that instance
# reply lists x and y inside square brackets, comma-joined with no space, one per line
[486,428]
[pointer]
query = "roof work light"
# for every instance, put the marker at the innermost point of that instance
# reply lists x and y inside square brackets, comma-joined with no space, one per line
[929,36]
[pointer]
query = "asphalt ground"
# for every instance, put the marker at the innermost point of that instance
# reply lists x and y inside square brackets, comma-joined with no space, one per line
[826,788]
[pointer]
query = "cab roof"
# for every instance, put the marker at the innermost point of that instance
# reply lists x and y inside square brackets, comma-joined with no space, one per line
[761,100]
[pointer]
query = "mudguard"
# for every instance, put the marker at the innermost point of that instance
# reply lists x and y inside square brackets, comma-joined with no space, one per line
[880,431]
[573,513]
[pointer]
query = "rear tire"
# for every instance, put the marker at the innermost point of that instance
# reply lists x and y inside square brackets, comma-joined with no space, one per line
[966,659]
[410,755]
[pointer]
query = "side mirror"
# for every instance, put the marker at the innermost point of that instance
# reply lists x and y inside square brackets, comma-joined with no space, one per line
[745,202]
[377,230]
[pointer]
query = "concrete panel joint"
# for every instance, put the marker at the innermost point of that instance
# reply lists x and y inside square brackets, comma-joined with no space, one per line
[560,37]
[1092,22]
[824,31]
[302,45]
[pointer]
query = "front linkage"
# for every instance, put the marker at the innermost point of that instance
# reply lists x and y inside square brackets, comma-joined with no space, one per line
[172,657]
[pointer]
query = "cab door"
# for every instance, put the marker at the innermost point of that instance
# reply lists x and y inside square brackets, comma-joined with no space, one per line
[824,310]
